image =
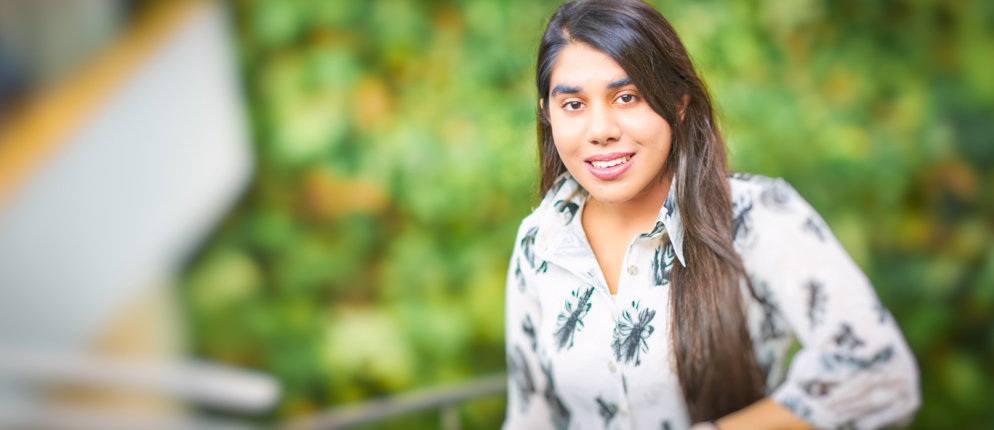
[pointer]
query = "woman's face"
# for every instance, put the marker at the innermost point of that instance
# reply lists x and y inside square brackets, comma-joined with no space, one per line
[608,137]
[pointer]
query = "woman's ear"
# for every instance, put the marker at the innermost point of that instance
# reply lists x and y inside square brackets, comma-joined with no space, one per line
[541,104]
[684,101]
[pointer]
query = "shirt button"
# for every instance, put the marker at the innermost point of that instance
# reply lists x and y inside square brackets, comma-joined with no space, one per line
[623,410]
[632,270]
[613,367]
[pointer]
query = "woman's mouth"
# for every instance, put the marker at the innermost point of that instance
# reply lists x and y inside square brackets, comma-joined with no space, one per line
[609,166]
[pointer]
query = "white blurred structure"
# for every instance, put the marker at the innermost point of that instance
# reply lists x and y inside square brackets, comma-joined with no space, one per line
[118,205]
[129,194]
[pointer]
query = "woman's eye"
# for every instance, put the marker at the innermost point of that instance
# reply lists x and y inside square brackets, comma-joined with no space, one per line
[626,98]
[573,105]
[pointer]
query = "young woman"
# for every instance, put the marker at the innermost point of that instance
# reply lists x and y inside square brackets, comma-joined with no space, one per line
[652,289]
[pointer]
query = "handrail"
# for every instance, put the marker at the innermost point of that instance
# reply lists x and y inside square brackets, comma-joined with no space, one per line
[375,410]
[33,415]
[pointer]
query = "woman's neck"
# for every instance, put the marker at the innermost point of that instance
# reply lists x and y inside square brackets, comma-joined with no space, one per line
[611,227]
[635,214]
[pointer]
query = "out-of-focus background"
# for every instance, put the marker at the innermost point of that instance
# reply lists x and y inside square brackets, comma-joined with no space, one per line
[274,212]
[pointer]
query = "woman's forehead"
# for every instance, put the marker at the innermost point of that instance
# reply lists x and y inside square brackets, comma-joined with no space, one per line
[579,67]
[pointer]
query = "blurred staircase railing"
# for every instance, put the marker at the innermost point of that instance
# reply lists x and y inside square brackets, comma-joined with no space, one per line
[445,399]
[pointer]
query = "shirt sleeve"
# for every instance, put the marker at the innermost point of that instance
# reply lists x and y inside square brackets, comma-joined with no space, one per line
[526,406]
[854,366]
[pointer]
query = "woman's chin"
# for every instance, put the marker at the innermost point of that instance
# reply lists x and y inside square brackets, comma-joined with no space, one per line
[626,190]
[613,193]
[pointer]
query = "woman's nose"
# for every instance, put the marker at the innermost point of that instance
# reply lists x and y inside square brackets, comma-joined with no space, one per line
[603,126]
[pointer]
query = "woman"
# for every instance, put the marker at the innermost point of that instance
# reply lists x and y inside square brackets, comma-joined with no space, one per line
[653,289]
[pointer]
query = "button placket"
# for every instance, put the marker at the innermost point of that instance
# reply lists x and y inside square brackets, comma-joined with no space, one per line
[631,255]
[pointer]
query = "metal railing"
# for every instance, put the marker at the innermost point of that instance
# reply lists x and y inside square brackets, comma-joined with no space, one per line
[443,398]
[221,387]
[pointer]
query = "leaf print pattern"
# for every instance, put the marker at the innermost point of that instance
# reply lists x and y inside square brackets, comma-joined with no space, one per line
[519,275]
[630,334]
[568,209]
[816,303]
[835,368]
[834,361]
[662,263]
[527,243]
[881,310]
[742,176]
[559,183]
[811,226]
[560,415]
[846,339]
[769,328]
[818,388]
[669,205]
[570,320]
[775,196]
[521,376]
[666,425]
[607,410]
[542,267]
[797,406]
[766,363]
[528,327]
[741,223]
[657,229]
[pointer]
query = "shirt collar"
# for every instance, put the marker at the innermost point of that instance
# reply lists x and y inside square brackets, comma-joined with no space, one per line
[567,197]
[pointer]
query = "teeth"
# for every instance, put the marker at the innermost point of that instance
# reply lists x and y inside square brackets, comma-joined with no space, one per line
[615,162]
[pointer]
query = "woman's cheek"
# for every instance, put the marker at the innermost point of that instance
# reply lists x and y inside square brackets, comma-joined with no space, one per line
[569,137]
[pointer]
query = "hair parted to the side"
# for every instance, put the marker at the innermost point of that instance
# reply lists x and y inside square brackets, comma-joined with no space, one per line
[714,355]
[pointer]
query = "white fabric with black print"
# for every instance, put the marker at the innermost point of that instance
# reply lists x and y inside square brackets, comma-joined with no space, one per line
[578,359]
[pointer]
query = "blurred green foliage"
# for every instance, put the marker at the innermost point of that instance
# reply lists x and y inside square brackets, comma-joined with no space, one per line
[396,156]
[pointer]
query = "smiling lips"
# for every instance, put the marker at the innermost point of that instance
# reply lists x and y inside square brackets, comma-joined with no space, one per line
[609,166]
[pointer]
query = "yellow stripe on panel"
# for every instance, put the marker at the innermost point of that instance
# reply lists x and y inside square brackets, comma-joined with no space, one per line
[48,119]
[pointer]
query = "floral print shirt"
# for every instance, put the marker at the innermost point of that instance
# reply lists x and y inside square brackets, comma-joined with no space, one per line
[580,358]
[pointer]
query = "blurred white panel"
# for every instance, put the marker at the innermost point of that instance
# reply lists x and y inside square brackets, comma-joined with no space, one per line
[130,194]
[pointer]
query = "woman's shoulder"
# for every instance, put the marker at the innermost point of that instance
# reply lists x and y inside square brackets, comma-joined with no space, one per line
[770,208]
[741,181]
[770,192]
[560,200]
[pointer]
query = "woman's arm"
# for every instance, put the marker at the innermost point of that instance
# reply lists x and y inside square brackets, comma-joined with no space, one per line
[527,407]
[762,415]
[854,366]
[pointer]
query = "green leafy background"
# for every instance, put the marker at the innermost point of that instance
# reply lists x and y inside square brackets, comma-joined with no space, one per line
[396,155]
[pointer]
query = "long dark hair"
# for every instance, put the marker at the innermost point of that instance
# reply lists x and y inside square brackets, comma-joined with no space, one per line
[713,352]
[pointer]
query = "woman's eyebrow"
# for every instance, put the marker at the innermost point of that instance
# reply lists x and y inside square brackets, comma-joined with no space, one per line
[567,89]
[562,88]
[620,83]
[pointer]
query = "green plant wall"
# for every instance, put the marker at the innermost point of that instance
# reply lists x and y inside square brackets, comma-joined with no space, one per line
[395,146]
